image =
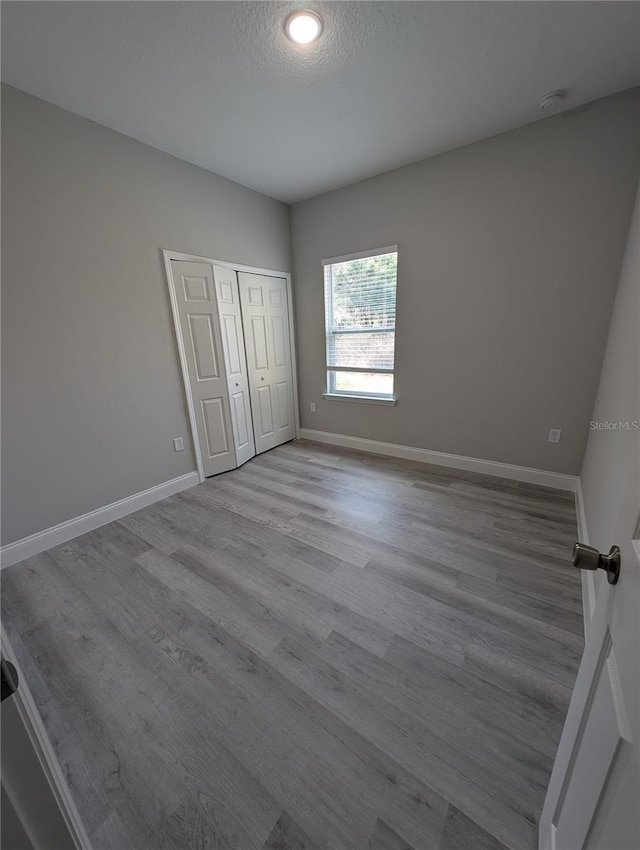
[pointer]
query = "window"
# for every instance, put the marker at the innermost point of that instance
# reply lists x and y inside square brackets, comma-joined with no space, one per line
[360,315]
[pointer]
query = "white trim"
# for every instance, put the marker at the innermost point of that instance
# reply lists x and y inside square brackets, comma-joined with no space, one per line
[581,517]
[186,383]
[588,580]
[366,369]
[557,480]
[361,399]
[292,348]
[168,256]
[57,534]
[588,597]
[361,255]
[237,267]
[30,717]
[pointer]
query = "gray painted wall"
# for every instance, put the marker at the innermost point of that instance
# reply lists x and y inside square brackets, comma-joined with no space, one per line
[611,467]
[510,251]
[509,256]
[91,390]
[611,492]
[610,475]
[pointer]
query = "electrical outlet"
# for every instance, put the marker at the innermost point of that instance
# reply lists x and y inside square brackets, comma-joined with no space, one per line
[178,444]
[554,435]
[312,406]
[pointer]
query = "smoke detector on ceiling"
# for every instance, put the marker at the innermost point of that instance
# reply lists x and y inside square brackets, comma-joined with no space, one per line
[552,99]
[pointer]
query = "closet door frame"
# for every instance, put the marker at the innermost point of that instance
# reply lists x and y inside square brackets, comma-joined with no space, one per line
[168,256]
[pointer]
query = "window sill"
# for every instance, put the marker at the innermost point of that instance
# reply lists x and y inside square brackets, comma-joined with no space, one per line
[361,399]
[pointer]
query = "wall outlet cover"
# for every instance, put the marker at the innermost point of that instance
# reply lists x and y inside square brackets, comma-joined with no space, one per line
[178,444]
[554,435]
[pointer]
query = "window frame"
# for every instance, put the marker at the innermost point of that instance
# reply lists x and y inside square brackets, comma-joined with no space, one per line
[353,395]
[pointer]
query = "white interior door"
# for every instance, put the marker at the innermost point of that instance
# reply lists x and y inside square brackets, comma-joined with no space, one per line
[38,811]
[201,343]
[265,317]
[236,361]
[599,743]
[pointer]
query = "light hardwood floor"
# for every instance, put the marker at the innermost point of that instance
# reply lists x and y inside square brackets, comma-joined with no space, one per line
[322,649]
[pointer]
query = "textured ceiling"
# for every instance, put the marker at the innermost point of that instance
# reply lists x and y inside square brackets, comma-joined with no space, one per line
[218,84]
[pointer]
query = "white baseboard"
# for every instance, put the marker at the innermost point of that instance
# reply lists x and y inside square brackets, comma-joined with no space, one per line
[588,578]
[50,537]
[470,464]
[583,534]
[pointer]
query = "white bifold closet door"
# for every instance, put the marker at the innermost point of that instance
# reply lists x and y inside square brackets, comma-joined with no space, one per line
[265,317]
[234,335]
[236,361]
[196,303]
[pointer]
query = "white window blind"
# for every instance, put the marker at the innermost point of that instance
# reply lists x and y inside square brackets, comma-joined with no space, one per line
[360,314]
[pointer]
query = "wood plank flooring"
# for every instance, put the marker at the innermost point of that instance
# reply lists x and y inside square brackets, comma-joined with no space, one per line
[322,649]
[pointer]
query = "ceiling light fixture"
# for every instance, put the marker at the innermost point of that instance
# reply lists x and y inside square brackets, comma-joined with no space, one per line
[303,27]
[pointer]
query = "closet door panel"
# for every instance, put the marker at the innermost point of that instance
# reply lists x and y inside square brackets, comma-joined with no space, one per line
[260,359]
[266,319]
[197,313]
[264,424]
[235,362]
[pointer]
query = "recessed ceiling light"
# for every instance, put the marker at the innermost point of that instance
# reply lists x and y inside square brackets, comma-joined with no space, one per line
[303,27]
